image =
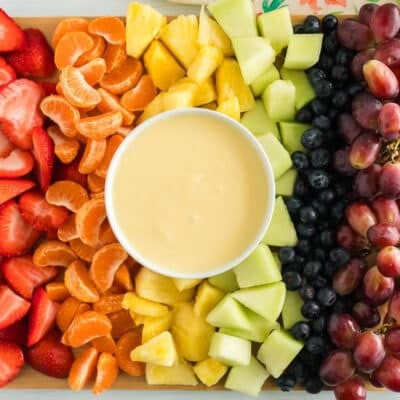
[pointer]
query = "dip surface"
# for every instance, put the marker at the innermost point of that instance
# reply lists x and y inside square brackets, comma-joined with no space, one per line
[189,193]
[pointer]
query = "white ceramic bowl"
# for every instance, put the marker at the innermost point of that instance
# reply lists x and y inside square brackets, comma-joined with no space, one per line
[130,247]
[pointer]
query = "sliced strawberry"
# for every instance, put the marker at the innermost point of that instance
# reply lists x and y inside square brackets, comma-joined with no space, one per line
[10,188]
[23,276]
[12,36]
[49,88]
[43,151]
[19,111]
[35,58]
[7,73]
[16,235]
[70,172]
[11,361]
[42,316]
[50,356]
[6,147]
[16,333]
[17,163]
[12,307]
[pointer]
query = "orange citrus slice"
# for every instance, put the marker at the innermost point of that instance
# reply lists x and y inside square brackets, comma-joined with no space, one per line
[53,252]
[121,323]
[113,143]
[99,45]
[93,71]
[105,344]
[100,126]
[123,278]
[82,250]
[65,148]
[110,102]
[67,25]
[125,345]
[57,291]
[67,311]
[107,373]
[67,231]
[83,368]
[68,194]
[106,235]
[114,56]
[92,156]
[109,303]
[96,183]
[137,98]
[112,29]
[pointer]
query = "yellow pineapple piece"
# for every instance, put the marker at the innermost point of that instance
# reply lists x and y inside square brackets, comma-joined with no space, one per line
[156,106]
[207,297]
[159,350]
[162,66]
[180,95]
[206,62]
[180,36]
[143,23]
[211,34]
[210,371]
[229,82]
[179,374]
[230,107]
[206,93]
[183,284]
[210,106]
[137,318]
[159,288]
[191,333]
[154,326]
[143,306]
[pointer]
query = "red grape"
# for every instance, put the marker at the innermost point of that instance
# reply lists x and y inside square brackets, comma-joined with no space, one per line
[365,150]
[388,260]
[352,389]
[358,62]
[337,368]
[348,127]
[349,277]
[341,162]
[343,330]
[350,240]
[374,381]
[360,217]
[381,235]
[388,373]
[366,109]
[368,352]
[385,22]
[366,183]
[365,13]
[392,341]
[353,35]
[389,53]
[377,287]
[389,121]
[387,211]
[381,80]
[393,313]
[366,315]
[390,179]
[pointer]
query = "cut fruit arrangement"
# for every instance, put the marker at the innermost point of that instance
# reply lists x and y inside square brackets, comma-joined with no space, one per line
[315,304]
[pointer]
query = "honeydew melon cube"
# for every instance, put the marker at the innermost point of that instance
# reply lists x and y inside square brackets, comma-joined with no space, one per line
[276,26]
[265,300]
[236,17]
[285,184]
[278,156]
[259,268]
[277,260]
[291,312]
[303,50]
[281,231]
[247,379]
[225,281]
[207,297]
[304,91]
[257,121]
[278,351]
[230,350]
[280,100]
[262,81]
[291,133]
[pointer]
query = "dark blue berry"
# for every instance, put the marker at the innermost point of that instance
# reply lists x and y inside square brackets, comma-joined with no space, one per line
[287,255]
[307,292]
[304,246]
[293,205]
[320,158]
[300,160]
[304,115]
[312,138]
[301,331]
[326,297]
[293,280]
[315,345]
[329,22]
[312,269]
[339,256]
[311,309]
[318,107]
[312,24]
[318,179]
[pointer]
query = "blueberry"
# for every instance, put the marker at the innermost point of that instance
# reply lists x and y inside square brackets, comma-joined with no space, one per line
[300,259]
[300,160]
[327,196]
[318,326]
[320,158]
[307,292]
[287,255]
[285,382]
[320,207]
[329,22]
[315,74]
[319,282]
[329,44]
[292,267]
[332,114]
[312,24]
[326,297]
[304,115]
[298,370]
[340,99]
[339,73]
[312,138]
[319,254]
[292,279]
[354,88]
[343,56]
[318,179]
[312,269]
[323,89]
[315,345]
[304,246]
[311,309]
[307,214]
[301,188]
[321,122]
[301,331]
[337,211]
[325,62]
[327,238]
[293,205]
[318,106]
[314,385]
[299,28]
[339,256]
[305,230]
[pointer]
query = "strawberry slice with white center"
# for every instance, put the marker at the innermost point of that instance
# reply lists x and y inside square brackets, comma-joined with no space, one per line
[6,147]
[7,73]
[11,361]
[10,188]
[11,35]
[17,163]
[12,307]
[19,111]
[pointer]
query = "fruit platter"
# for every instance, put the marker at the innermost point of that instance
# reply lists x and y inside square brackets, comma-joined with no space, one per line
[315,304]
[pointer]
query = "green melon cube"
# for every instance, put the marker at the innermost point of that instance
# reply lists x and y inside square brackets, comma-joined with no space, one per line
[230,350]
[280,100]
[284,186]
[303,50]
[291,133]
[261,82]
[277,260]
[225,281]
[291,312]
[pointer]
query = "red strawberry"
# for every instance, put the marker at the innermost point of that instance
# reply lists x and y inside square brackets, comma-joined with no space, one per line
[70,172]
[50,356]
[43,151]
[7,73]
[49,88]
[35,59]
[11,361]
[12,37]
[10,188]
[12,307]
[17,163]
[16,333]
[42,316]
[39,213]
[19,111]
[5,145]
[16,235]
[23,276]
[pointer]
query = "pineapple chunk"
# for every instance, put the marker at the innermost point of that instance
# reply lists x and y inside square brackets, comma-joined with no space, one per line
[143,307]
[180,36]
[159,288]
[210,106]
[206,93]
[162,66]
[206,62]
[229,81]
[156,106]
[183,284]
[159,350]
[211,34]
[137,318]
[207,297]
[180,95]
[154,326]
[210,371]
[179,374]
[142,25]
[191,333]
[230,107]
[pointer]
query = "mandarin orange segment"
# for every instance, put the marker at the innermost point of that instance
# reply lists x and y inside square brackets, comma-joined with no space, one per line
[137,98]
[109,303]
[65,148]
[98,195]
[76,90]
[110,102]
[83,368]
[79,284]
[123,131]
[99,45]
[88,221]
[106,234]
[93,71]
[125,345]
[105,344]
[112,29]
[92,156]
[123,278]
[113,143]
[68,194]
[82,250]
[121,322]
[59,110]
[67,25]
[107,373]
[67,231]
[70,47]
[53,252]
[114,56]
[96,183]
[57,291]
[66,313]
[124,77]
[105,264]
[100,126]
